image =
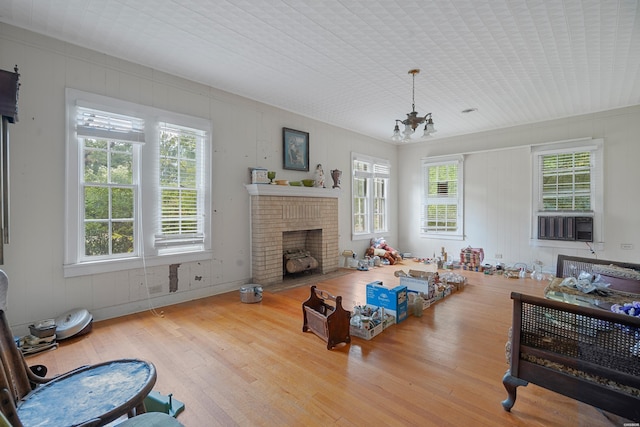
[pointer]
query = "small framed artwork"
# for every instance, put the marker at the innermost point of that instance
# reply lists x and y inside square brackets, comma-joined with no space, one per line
[295,149]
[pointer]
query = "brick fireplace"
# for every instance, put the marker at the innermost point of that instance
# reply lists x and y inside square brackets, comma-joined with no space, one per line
[285,217]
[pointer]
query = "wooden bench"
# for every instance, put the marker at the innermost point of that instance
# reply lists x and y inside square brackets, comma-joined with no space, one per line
[586,353]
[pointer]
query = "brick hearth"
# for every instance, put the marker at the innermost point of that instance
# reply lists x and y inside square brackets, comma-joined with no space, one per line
[312,213]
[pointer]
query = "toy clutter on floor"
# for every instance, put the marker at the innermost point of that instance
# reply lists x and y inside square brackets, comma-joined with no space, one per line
[379,247]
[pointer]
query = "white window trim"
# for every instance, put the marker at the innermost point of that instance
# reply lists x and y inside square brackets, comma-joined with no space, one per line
[145,254]
[370,234]
[436,161]
[596,146]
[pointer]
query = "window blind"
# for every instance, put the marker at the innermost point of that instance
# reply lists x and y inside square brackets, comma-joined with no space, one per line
[566,181]
[93,123]
[442,198]
[181,216]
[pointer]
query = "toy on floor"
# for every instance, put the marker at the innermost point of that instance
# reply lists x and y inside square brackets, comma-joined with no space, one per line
[156,402]
[378,247]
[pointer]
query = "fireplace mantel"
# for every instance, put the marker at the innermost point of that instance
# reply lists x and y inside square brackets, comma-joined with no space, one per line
[291,191]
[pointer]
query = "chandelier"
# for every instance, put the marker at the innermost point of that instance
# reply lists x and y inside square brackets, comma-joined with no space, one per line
[413,120]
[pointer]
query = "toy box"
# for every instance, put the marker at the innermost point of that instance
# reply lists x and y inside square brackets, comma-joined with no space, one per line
[394,300]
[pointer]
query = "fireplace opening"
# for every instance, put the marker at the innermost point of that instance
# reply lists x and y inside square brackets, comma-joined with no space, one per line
[301,252]
[298,261]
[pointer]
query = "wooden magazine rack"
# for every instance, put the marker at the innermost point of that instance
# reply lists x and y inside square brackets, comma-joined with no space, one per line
[328,321]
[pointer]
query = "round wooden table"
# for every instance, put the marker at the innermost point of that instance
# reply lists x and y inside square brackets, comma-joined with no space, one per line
[100,393]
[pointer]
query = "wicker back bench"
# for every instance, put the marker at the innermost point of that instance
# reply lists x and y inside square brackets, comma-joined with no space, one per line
[588,354]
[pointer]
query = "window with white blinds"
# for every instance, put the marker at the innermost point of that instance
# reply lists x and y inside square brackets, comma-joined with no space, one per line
[135,187]
[370,187]
[108,188]
[182,187]
[442,198]
[97,124]
[565,180]
[568,181]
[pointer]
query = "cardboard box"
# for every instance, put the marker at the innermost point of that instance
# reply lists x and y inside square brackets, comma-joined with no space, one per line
[425,286]
[394,300]
[373,329]
[366,334]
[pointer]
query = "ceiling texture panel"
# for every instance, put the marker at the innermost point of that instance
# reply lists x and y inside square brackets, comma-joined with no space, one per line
[346,62]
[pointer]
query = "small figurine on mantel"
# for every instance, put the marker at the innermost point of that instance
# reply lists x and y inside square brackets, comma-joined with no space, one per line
[336,174]
[319,176]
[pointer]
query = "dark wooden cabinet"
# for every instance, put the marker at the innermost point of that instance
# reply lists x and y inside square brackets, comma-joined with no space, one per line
[9,86]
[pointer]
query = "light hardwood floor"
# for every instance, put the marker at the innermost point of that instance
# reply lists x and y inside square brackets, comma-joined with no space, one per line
[251,364]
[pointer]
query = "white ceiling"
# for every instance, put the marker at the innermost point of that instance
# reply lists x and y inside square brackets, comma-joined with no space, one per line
[345,62]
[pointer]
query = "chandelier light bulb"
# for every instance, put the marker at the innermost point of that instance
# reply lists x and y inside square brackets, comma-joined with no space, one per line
[396,133]
[428,128]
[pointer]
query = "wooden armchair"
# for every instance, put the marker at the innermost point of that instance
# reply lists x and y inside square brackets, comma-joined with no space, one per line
[91,395]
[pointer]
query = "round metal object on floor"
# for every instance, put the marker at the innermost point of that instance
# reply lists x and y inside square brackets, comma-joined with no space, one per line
[74,322]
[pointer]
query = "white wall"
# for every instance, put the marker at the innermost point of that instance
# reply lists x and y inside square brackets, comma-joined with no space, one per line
[248,134]
[497,175]
[245,134]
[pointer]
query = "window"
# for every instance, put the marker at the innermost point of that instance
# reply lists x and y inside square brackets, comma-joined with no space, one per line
[370,196]
[135,187]
[181,214]
[442,198]
[567,182]
[108,196]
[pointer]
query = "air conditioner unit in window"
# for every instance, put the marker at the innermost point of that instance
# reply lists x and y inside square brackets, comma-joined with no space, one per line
[567,228]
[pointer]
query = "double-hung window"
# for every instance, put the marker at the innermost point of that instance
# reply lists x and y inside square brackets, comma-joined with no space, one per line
[370,202]
[442,212]
[567,186]
[109,147]
[136,190]
[181,213]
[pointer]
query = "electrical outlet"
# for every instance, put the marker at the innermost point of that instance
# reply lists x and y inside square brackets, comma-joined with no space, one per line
[626,246]
[498,256]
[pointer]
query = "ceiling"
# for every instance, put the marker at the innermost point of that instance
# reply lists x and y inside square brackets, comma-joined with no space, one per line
[346,62]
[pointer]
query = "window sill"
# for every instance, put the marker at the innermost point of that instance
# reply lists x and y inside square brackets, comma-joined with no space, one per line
[369,236]
[442,236]
[560,244]
[109,266]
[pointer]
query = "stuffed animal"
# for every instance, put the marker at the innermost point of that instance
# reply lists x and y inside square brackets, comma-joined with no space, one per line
[379,247]
[372,252]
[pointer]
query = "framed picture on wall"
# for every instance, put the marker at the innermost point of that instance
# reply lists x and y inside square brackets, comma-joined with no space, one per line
[295,149]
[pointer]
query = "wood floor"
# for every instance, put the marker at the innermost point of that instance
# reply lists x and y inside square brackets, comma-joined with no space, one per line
[251,364]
